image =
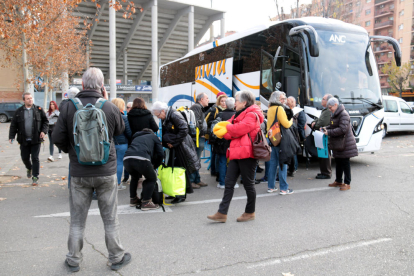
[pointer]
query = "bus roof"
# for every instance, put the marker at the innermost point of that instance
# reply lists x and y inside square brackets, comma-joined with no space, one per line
[316,22]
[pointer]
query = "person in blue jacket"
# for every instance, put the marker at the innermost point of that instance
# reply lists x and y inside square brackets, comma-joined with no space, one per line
[121,142]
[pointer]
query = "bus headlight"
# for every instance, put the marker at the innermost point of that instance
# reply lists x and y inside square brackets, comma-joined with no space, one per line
[379,127]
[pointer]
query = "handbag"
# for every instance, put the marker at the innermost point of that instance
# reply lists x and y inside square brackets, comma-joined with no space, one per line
[172,179]
[261,149]
[274,132]
[324,153]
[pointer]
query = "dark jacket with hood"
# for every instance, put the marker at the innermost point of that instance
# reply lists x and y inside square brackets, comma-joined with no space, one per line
[197,108]
[141,118]
[339,126]
[175,132]
[40,124]
[147,145]
[126,136]
[63,135]
[221,145]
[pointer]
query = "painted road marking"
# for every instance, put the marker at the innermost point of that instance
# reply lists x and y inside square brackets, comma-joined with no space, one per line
[261,195]
[319,252]
[122,210]
[128,210]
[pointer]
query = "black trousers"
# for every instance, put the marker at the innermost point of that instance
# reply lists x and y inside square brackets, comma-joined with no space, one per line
[138,168]
[343,166]
[31,151]
[247,169]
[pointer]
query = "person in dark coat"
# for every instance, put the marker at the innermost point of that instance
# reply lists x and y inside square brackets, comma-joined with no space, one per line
[143,156]
[139,117]
[201,102]
[85,179]
[31,125]
[221,145]
[174,133]
[340,126]
[323,121]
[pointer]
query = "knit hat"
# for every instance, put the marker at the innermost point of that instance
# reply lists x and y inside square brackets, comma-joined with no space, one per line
[220,93]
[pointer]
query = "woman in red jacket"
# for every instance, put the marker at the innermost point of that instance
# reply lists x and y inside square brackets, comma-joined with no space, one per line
[245,122]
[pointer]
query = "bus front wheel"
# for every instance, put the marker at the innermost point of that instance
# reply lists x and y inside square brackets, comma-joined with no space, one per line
[384,131]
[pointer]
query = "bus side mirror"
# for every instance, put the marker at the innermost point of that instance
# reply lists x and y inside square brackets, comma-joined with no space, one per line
[393,42]
[312,35]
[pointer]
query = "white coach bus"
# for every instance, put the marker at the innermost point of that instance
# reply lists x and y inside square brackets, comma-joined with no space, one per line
[306,58]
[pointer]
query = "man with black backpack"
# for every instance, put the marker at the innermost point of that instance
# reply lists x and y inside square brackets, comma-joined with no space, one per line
[85,130]
[201,102]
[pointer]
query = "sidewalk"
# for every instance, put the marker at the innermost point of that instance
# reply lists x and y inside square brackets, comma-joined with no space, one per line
[13,171]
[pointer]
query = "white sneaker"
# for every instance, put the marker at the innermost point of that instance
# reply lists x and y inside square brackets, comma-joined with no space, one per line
[60,156]
[220,186]
[121,187]
[51,158]
[236,186]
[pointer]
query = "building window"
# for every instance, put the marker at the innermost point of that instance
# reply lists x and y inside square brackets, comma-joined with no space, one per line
[377,21]
[400,40]
[401,27]
[402,13]
[367,23]
[382,6]
[392,6]
[391,18]
[368,1]
[390,55]
[382,54]
[358,3]
[367,12]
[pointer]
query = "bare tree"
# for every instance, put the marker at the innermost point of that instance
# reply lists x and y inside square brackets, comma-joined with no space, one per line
[277,9]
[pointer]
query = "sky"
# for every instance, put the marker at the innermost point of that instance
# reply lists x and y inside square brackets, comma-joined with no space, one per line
[244,14]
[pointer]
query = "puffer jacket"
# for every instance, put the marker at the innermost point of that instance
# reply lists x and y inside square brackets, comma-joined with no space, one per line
[141,118]
[244,124]
[125,137]
[174,128]
[341,124]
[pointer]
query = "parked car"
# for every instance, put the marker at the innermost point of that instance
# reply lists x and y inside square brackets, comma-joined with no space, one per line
[7,110]
[398,115]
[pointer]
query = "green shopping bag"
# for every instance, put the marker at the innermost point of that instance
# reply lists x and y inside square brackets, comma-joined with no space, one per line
[172,180]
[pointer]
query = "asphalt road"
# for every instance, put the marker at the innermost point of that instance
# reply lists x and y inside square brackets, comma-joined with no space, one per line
[367,230]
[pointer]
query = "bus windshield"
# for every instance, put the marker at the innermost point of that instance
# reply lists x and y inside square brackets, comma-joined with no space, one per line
[345,70]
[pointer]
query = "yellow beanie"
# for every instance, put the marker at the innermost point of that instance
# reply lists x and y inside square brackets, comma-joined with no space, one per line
[220,129]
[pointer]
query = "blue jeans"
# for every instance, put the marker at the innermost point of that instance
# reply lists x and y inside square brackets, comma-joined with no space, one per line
[195,176]
[120,153]
[266,170]
[273,164]
[222,168]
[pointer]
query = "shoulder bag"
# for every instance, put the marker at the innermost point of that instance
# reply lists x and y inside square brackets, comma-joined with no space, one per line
[261,149]
[274,133]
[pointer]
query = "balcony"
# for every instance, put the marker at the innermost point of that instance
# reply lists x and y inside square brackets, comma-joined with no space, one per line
[385,47]
[378,2]
[384,12]
[383,59]
[385,24]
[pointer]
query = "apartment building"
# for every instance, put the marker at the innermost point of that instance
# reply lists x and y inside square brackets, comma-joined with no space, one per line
[393,18]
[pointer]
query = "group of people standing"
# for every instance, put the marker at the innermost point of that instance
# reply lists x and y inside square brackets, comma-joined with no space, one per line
[137,151]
